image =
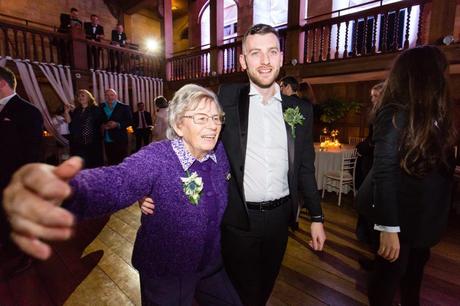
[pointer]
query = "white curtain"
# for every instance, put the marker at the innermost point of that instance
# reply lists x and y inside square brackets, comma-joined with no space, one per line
[35,95]
[59,82]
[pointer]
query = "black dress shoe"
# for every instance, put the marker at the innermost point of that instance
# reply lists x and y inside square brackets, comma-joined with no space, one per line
[366,264]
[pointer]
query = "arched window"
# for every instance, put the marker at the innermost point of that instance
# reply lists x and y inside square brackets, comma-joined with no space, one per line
[230,22]
[272,12]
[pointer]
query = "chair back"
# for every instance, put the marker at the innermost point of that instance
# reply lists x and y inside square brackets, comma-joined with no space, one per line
[349,159]
[353,140]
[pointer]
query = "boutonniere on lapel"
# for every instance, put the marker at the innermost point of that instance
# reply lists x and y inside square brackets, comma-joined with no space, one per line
[293,117]
[193,185]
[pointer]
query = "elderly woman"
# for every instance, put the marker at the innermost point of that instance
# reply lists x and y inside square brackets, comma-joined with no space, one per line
[85,130]
[177,252]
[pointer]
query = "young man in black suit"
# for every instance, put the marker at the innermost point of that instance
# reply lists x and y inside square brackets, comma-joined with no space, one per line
[21,126]
[117,117]
[69,20]
[94,31]
[271,160]
[143,126]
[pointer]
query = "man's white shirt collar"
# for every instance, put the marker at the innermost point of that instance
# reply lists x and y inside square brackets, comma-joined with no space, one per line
[277,96]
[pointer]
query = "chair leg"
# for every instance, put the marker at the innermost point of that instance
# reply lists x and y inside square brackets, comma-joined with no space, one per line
[324,188]
[340,192]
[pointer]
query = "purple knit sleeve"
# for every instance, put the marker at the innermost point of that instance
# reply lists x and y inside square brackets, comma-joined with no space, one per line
[105,190]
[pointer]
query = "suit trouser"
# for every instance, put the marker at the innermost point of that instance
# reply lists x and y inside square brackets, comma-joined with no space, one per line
[253,258]
[115,152]
[142,137]
[406,273]
[210,287]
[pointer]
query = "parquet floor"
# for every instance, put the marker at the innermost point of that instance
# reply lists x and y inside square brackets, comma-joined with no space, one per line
[332,277]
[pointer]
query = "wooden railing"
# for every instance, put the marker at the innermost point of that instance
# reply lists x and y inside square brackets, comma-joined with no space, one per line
[23,42]
[387,28]
[38,42]
[196,63]
[122,60]
[191,64]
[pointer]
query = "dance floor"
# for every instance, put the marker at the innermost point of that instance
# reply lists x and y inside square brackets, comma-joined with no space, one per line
[332,277]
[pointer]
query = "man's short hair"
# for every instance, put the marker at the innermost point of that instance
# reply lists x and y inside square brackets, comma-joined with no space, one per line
[139,103]
[73,10]
[94,15]
[289,80]
[8,76]
[260,29]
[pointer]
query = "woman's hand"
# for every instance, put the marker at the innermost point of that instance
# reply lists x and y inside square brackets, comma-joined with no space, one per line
[31,202]
[389,246]
[147,206]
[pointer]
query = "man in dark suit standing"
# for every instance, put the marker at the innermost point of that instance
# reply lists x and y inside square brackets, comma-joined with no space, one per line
[143,126]
[270,159]
[21,126]
[69,20]
[94,31]
[117,117]
[119,36]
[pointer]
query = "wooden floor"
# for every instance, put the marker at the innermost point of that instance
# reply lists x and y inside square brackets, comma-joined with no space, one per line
[332,277]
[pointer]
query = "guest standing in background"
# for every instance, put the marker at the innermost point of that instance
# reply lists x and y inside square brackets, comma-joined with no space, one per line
[407,192]
[142,121]
[177,251]
[289,86]
[161,118]
[93,30]
[69,20]
[85,130]
[21,126]
[119,36]
[116,118]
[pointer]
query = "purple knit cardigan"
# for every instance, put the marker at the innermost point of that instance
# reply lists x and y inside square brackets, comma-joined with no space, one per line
[180,237]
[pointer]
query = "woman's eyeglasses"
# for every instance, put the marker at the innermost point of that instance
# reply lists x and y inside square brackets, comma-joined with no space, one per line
[203,118]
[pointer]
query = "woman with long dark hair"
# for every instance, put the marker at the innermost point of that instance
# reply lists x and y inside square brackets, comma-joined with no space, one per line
[412,173]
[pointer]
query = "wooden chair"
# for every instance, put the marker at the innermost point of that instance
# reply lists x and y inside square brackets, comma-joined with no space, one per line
[344,177]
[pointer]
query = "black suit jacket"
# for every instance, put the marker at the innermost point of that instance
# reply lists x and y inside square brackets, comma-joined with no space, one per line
[116,38]
[301,175]
[21,127]
[66,23]
[389,196]
[147,117]
[89,31]
[122,115]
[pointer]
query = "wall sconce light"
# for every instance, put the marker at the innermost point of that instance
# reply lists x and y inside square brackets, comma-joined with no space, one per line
[294,62]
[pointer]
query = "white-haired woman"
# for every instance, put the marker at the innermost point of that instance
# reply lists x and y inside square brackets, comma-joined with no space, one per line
[177,252]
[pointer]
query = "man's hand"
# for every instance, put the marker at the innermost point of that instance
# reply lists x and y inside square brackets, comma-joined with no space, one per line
[389,246]
[147,206]
[31,202]
[318,236]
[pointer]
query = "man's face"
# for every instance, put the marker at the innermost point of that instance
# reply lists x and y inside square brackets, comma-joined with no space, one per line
[110,96]
[94,19]
[262,59]
[140,107]
[286,89]
[74,14]
[119,28]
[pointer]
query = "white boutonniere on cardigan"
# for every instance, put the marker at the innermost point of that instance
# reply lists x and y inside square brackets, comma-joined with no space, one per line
[193,185]
[293,117]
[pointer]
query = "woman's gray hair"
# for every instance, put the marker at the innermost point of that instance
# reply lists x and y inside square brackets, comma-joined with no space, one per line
[187,98]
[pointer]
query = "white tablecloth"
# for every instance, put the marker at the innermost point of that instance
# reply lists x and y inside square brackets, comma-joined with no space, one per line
[329,160]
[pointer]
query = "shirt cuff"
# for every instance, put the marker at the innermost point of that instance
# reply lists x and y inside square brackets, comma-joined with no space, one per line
[388,229]
[317,219]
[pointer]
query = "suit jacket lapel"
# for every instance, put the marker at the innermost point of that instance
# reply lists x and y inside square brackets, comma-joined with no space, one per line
[291,141]
[243,109]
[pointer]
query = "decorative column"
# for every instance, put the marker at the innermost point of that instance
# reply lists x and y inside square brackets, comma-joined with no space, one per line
[216,15]
[293,52]
[167,34]
[442,20]
[245,16]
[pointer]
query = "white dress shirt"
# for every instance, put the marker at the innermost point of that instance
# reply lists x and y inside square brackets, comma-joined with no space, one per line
[5,100]
[266,163]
